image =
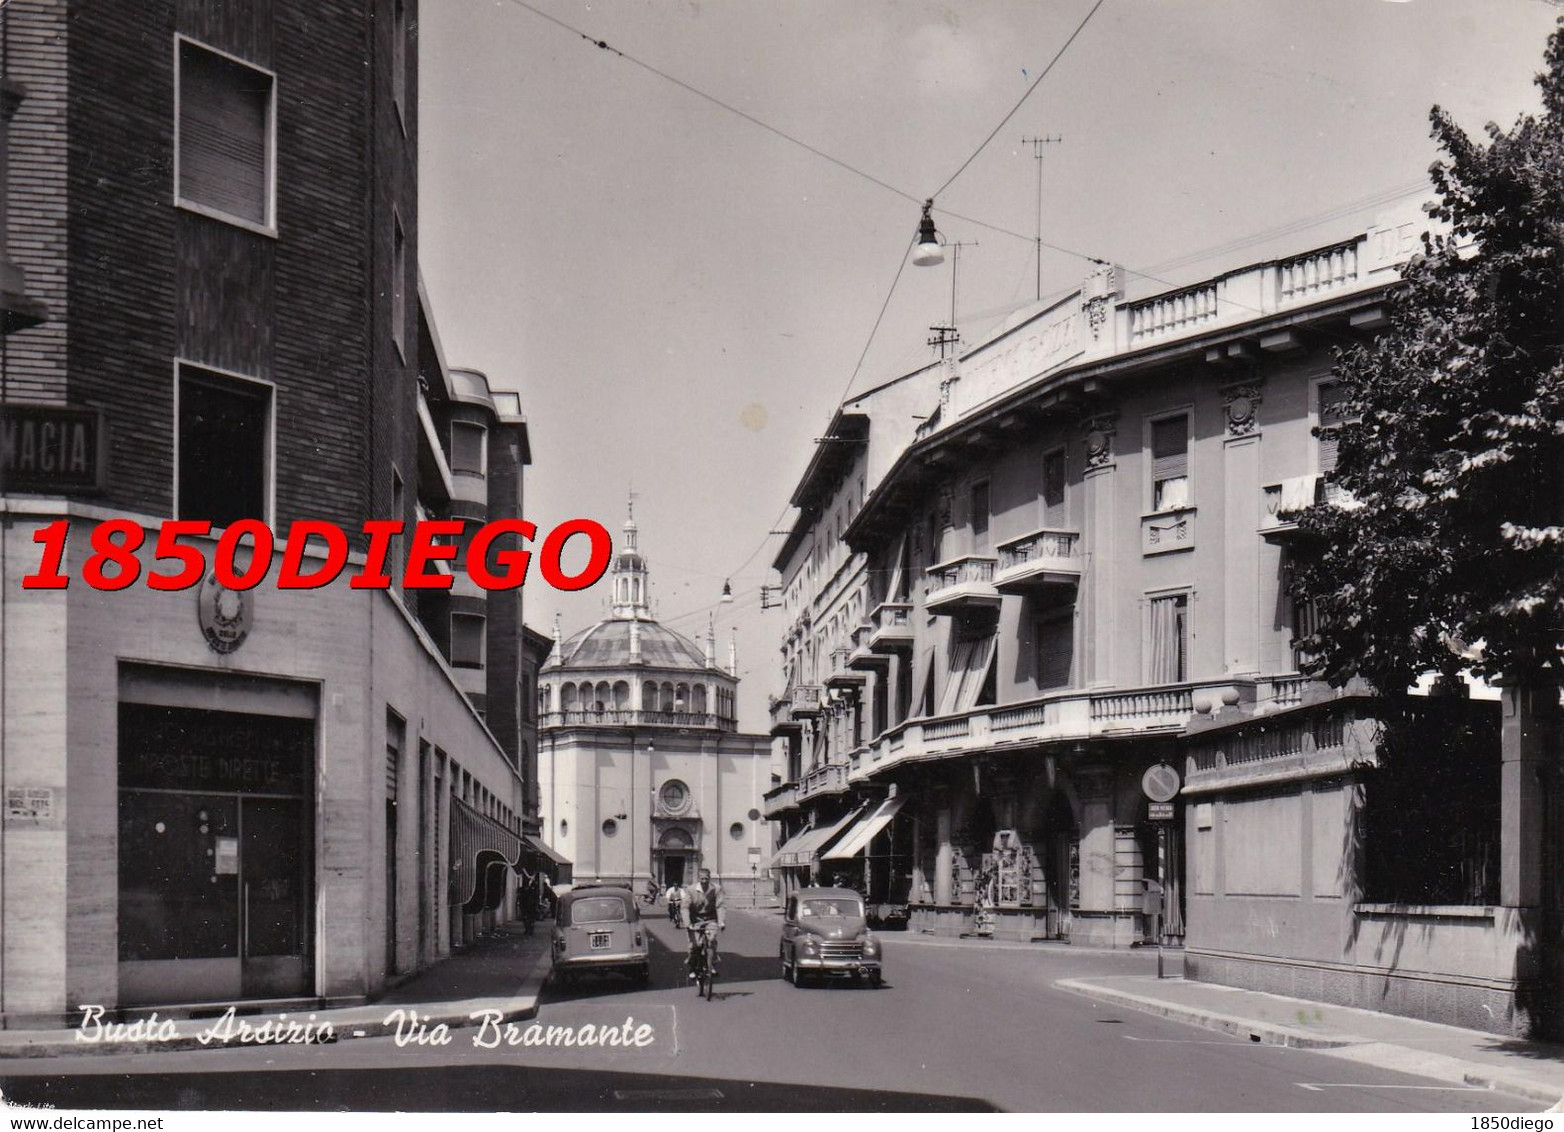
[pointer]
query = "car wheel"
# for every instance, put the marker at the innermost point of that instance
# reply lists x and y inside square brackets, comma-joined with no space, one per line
[875,981]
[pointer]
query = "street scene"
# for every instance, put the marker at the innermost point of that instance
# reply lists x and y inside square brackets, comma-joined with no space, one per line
[761,1043]
[882,557]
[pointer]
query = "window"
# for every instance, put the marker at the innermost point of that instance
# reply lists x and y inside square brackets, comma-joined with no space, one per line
[1170,463]
[1053,484]
[1331,418]
[1168,640]
[468,448]
[399,58]
[398,285]
[971,665]
[736,831]
[978,500]
[1055,650]
[223,143]
[610,827]
[223,464]
[675,796]
[467,640]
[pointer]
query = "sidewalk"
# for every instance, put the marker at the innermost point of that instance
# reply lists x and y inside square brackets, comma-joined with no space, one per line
[501,974]
[1447,1053]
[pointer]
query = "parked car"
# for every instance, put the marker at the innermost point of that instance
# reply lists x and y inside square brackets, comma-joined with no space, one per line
[824,933]
[598,928]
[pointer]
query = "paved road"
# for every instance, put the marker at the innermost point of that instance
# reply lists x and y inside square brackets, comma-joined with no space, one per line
[957,1027]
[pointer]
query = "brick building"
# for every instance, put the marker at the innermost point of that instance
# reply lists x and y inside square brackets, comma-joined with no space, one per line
[215,794]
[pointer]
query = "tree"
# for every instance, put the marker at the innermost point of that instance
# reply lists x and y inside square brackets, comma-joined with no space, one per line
[1452,459]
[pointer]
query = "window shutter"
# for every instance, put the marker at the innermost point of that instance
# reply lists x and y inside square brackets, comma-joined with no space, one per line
[223,135]
[1056,644]
[1053,480]
[1331,398]
[1169,448]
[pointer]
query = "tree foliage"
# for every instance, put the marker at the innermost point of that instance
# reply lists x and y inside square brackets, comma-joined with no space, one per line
[1453,454]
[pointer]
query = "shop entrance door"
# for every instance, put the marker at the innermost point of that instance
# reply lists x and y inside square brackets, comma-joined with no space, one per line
[214,884]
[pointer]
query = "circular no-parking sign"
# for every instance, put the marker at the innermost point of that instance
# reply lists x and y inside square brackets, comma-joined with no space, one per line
[1160,783]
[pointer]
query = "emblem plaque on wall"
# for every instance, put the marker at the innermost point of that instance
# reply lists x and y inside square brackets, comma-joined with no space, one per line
[224,615]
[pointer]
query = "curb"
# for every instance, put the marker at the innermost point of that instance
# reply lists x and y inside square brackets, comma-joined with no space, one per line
[345,1024]
[1266,1033]
[1351,1046]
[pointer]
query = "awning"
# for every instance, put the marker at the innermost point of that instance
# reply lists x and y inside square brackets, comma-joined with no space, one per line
[559,869]
[863,833]
[787,854]
[476,842]
[811,841]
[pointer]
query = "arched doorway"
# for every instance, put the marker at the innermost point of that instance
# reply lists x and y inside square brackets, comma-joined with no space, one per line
[675,856]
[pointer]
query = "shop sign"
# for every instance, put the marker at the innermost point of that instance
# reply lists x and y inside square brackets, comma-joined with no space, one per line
[52,448]
[1159,811]
[168,748]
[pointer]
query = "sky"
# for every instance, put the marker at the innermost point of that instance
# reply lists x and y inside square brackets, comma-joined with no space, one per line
[682,297]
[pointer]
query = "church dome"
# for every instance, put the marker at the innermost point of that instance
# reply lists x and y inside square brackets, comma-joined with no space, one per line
[607,645]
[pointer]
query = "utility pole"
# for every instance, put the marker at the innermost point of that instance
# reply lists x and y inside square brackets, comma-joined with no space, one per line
[1037,152]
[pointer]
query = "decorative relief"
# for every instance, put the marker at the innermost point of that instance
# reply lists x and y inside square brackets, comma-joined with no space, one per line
[1099,440]
[1240,405]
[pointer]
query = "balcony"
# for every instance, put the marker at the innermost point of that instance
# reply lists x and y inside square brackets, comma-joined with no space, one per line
[828,779]
[891,627]
[863,657]
[843,676]
[1284,501]
[1039,560]
[962,585]
[612,717]
[782,721]
[779,801]
[1070,715]
[806,701]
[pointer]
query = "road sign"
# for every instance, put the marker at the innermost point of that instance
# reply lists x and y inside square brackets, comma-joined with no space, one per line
[1159,811]
[1160,783]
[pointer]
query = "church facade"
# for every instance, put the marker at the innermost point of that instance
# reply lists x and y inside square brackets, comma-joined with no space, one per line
[642,771]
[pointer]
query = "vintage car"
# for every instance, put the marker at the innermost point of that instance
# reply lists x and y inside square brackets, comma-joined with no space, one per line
[598,928]
[824,933]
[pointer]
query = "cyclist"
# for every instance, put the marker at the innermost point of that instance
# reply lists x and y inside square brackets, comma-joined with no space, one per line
[705,913]
[673,897]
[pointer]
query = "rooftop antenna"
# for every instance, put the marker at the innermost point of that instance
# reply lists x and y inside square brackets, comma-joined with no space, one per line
[948,336]
[1037,152]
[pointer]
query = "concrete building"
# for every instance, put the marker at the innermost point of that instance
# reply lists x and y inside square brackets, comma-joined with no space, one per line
[217,793]
[1076,652]
[642,771]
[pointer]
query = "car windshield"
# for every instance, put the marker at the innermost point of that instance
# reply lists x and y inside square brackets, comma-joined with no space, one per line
[598,910]
[836,906]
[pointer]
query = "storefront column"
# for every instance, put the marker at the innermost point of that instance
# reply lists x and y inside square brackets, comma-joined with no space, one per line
[1097,841]
[943,858]
[1530,729]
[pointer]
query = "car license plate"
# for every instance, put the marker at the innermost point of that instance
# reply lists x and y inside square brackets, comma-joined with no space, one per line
[601,941]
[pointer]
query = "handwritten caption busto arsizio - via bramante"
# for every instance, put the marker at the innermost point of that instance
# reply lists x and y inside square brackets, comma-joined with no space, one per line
[406,1027]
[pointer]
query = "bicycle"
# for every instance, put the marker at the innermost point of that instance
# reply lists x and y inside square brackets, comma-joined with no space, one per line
[702,964]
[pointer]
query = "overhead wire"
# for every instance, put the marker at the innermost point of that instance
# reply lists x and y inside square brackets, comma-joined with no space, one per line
[1041,76]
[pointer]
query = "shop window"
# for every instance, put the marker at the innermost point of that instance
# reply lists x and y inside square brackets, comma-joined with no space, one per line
[467,631]
[1170,463]
[223,463]
[223,144]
